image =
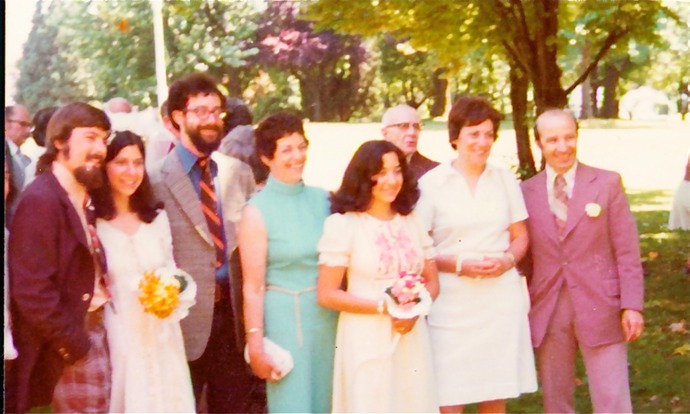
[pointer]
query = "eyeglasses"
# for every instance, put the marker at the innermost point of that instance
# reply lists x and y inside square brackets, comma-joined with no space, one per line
[203,112]
[24,124]
[406,125]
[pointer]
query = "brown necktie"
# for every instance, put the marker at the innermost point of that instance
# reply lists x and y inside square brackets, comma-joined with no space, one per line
[209,205]
[560,203]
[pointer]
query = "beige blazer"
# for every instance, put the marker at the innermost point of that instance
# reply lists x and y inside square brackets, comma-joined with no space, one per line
[192,246]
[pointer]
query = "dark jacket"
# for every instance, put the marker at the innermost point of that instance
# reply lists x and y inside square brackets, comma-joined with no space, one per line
[420,164]
[52,281]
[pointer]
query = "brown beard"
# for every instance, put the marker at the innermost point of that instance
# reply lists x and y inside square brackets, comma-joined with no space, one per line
[90,178]
[202,145]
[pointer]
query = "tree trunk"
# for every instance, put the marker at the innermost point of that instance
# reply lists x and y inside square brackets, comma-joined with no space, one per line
[438,94]
[546,74]
[518,99]
[586,87]
[609,109]
[311,99]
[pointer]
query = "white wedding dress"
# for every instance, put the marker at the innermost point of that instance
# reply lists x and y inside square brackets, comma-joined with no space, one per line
[149,365]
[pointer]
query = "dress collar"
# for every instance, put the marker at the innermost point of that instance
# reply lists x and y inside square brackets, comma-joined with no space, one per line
[281,187]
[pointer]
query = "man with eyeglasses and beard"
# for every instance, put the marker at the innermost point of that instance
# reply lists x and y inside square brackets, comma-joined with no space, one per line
[401,125]
[57,273]
[204,192]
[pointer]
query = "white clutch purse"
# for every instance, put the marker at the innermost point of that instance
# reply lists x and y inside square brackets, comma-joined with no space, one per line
[282,357]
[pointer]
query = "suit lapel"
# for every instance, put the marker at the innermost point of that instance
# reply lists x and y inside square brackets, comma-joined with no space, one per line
[183,192]
[226,196]
[585,191]
[544,218]
[72,215]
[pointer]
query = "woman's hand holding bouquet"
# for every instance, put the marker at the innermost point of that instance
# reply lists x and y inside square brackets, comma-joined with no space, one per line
[407,299]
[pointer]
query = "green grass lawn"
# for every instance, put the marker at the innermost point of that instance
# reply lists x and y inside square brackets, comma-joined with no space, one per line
[660,360]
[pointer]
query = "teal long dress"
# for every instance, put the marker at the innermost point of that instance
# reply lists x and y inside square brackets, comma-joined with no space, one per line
[294,217]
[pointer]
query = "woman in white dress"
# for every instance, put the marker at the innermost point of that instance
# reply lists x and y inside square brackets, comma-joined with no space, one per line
[382,364]
[149,365]
[475,214]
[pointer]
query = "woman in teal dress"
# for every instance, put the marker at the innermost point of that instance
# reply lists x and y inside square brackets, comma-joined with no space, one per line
[278,233]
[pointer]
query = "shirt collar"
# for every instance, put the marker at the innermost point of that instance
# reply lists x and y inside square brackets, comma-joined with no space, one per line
[187,159]
[447,172]
[12,146]
[568,175]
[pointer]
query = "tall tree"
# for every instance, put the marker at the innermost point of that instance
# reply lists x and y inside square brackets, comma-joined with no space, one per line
[48,72]
[330,68]
[527,33]
[217,36]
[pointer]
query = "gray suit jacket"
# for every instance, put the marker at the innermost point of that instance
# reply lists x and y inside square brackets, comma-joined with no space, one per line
[192,246]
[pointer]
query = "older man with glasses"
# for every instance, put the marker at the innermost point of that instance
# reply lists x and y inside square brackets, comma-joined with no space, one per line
[18,128]
[401,126]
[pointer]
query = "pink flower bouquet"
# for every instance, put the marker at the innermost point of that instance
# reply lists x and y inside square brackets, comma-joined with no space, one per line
[408,297]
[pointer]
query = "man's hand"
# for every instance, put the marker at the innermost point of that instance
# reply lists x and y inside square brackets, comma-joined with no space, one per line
[633,324]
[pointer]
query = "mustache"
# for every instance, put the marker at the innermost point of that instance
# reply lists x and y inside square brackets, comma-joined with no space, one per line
[96,157]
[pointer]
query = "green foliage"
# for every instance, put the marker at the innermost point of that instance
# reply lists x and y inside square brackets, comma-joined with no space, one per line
[48,75]
[213,36]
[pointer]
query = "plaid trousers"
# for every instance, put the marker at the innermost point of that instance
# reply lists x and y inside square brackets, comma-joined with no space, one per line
[84,387]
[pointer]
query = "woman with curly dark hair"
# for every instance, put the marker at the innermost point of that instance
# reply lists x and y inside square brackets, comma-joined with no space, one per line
[382,363]
[149,365]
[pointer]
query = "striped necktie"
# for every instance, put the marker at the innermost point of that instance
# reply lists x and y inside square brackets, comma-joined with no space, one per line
[560,203]
[209,205]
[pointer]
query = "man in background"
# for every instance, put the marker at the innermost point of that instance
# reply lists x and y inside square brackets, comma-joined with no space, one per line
[401,126]
[18,127]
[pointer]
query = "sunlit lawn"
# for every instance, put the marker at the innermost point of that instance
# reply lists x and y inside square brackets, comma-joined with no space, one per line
[651,158]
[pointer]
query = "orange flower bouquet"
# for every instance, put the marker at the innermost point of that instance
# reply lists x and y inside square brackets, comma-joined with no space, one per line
[167,291]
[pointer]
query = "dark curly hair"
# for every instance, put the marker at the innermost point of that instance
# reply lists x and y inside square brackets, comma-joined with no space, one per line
[193,84]
[471,111]
[142,201]
[273,128]
[354,193]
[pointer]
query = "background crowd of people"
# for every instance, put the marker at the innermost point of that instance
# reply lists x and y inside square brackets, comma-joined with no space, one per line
[521,275]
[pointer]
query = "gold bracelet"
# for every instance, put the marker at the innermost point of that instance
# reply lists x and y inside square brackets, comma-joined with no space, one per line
[511,256]
[253,330]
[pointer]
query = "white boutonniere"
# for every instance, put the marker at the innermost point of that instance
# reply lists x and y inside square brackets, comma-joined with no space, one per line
[593,209]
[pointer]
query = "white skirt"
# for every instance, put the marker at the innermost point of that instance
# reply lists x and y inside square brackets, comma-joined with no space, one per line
[480,339]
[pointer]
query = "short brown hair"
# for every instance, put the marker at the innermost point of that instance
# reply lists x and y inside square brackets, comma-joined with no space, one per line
[470,111]
[61,124]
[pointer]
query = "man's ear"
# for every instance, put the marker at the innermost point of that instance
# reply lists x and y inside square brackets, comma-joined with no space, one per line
[59,145]
[178,116]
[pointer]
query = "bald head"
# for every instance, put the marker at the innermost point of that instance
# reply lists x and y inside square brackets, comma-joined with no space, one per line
[401,125]
[118,105]
[556,133]
[554,113]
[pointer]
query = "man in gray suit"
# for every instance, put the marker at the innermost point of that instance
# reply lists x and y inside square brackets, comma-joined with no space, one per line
[203,197]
